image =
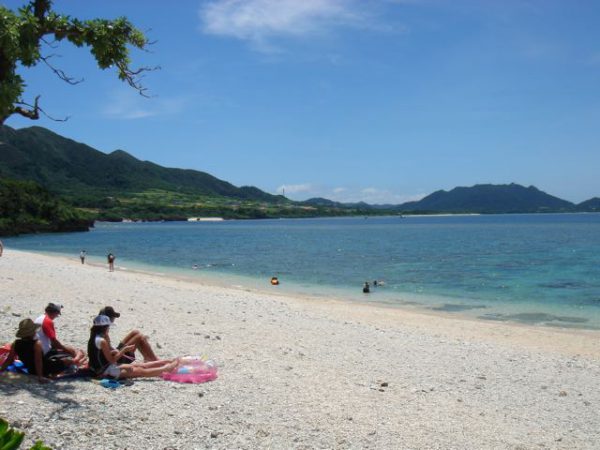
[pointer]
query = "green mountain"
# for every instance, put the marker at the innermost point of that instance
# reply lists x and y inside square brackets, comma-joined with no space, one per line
[75,170]
[488,199]
[591,205]
[324,202]
[117,185]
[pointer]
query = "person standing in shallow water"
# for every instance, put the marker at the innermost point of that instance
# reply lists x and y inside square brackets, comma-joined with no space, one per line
[111,262]
[1,248]
[82,256]
[366,288]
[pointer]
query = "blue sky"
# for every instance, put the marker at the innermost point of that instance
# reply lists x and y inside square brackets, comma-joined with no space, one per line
[383,101]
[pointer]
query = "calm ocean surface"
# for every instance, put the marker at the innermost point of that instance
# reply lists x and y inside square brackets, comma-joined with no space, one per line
[536,269]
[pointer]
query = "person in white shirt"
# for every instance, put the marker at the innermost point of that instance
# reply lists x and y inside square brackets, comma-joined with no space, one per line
[54,351]
[134,338]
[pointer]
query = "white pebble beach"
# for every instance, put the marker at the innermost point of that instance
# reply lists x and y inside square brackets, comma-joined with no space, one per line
[297,372]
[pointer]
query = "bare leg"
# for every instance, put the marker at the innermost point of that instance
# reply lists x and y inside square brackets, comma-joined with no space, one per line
[80,357]
[136,371]
[71,356]
[77,356]
[146,350]
[131,338]
[135,337]
[153,364]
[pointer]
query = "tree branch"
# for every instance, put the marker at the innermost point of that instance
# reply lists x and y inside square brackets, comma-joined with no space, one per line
[53,44]
[60,73]
[27,29]
[34,112]
[132,77]
[40,8]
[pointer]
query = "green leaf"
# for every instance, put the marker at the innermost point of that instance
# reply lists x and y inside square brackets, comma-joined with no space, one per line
[14,441]
[23,33]
[3,427]
[39,445]
[6,436]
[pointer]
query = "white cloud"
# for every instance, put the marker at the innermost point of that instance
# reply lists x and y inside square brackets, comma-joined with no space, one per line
[369,191]
[414,197]
[258,21]
[344,194]
[374,195]
[295,188]
[126,104]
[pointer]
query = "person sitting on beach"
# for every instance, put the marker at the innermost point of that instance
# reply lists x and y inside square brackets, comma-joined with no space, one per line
[104,358]
[28,349]
[53,349]
[134,338]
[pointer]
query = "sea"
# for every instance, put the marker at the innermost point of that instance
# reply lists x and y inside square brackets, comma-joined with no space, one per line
[536,269]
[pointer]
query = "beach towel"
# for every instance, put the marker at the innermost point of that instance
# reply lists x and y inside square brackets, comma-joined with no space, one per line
[17,367]
[4,351]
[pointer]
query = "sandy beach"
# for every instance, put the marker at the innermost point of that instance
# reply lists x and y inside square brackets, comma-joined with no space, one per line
[296,372]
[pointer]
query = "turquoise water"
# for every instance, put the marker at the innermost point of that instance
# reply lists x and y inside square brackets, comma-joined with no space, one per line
[539,269]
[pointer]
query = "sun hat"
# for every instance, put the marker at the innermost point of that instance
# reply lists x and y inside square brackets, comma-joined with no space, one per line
[53,307]
[27,328]
[101,321]
[110,312]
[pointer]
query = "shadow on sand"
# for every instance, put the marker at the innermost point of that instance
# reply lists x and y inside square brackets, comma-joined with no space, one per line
[59,392]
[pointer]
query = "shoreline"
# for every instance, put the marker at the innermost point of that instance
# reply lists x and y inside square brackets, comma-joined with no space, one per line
[417,311]
[400,313]
[296,372]
[551,291]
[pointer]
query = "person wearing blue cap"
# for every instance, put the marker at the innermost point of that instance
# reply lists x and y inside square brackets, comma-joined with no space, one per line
[103,358]
[134,337]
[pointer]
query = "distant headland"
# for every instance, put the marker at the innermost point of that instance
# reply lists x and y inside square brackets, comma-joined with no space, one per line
[91,185]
